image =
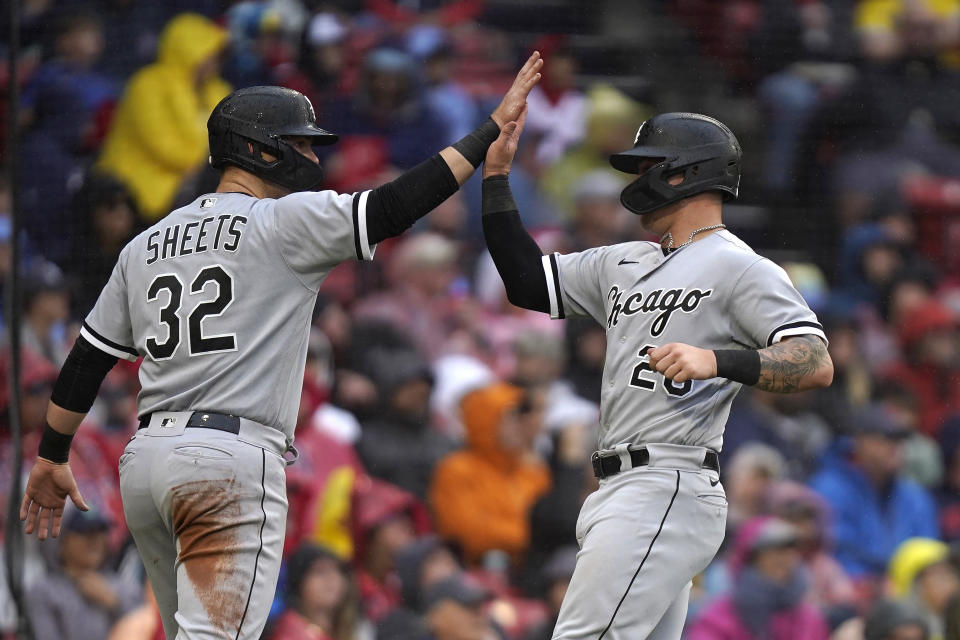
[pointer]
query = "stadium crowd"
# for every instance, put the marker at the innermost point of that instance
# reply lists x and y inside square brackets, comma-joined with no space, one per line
[445,435]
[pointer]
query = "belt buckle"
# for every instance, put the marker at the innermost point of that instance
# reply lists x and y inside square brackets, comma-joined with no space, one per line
[597,465]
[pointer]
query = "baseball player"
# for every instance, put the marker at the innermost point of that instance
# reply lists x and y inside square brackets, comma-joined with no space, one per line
[216,298]
[689,321]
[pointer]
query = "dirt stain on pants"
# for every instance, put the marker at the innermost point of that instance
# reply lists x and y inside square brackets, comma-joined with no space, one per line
[208,523]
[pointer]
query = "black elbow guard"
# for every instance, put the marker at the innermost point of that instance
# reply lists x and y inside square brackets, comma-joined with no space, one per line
[81,376]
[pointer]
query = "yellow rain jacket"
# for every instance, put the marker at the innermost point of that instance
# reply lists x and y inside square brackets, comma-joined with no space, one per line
[159,132]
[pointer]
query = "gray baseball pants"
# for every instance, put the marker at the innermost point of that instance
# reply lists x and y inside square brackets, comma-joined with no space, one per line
[643,536]
[207,510]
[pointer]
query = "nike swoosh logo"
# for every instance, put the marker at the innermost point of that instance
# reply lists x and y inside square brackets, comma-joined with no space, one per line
[627,262]
[714,483]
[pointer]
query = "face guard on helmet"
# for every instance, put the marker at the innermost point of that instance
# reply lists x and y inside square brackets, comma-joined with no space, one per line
[260,117]
[700,148]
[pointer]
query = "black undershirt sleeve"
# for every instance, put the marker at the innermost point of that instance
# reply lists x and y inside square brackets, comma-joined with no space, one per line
[514,252]
[81,376]
[392,208]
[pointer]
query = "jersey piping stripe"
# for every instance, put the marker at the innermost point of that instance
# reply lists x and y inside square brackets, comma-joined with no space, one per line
[108,346]
[356,226]
[556,285]
[799,328]
[366,253]
[645,556]
[551,286]
[256,563]
[552,274]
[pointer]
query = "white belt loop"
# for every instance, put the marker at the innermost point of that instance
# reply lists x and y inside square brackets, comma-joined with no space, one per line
[623,451]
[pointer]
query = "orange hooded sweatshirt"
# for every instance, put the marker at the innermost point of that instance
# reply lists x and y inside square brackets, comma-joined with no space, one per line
[482,495]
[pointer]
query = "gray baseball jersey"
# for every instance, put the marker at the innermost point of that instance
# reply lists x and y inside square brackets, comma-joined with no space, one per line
[217,297]
[715,293]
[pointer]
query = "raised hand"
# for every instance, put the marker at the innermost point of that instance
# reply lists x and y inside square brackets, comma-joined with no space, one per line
[501,152]
[47,489]
[516,97]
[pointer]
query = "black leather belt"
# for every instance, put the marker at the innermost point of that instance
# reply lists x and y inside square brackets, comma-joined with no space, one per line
[608,464]
[204,420]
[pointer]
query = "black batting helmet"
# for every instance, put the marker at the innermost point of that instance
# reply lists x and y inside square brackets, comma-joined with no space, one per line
[261,117]
[700,147]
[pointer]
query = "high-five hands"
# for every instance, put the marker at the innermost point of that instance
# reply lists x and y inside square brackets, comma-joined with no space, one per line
[515,100]
[500,153]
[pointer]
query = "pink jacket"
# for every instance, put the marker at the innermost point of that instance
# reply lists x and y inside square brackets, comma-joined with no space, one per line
[719,621]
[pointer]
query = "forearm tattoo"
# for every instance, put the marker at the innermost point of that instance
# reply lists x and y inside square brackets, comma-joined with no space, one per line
[786,366]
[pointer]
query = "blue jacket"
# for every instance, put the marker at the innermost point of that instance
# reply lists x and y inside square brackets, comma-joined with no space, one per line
[866,525]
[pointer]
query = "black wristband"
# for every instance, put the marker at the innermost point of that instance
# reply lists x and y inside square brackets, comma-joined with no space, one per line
[739,365]
[497,196]
[54,446]
[474,145]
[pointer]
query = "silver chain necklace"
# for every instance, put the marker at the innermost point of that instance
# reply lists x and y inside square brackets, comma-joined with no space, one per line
[669,236]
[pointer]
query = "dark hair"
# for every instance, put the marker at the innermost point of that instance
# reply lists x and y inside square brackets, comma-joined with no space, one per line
[347,612]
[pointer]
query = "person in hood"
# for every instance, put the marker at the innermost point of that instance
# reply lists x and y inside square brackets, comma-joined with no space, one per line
[482,495]
[921,574]
[159,133]
[930,339]
[770,583]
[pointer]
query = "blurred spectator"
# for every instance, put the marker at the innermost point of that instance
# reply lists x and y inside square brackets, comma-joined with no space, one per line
[421,273]
[454,611]
[930,340]
[830,589]
[555,579]
[481,496]
[921,574]
[446,98]
[874,507]
[159,136]
[923,461]
[81,599]
[398,444]
[142,622]
[893,620]
[557,114]
[132,32]
[586,343]
[612,118]
[852,381]
[768,594]
[386,116]
[321,598]
[321,60]
[420,565]
[60,106]
[321,485]
[598,218]
[107,218]
[261,40]
[891,28]
[797,46]
[386,519]
[897,119]
[747,478]
[948,497]
[871,256]
[46,308]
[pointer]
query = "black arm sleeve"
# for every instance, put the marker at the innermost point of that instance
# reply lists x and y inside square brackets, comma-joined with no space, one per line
[81,376]
[393,207]
[514,252]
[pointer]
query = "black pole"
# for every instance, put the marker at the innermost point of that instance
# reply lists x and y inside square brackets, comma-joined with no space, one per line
[14,547]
